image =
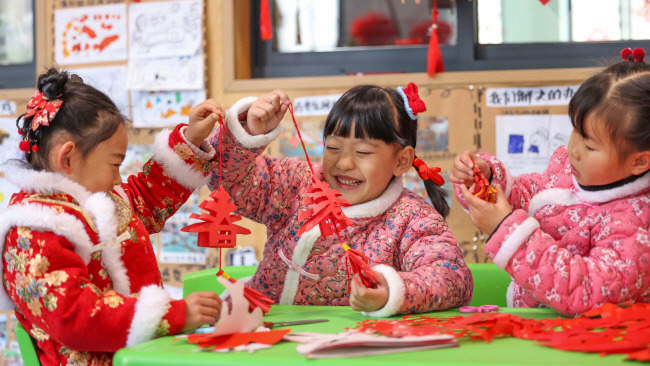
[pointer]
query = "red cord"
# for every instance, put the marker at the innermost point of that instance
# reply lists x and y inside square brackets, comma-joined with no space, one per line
[300,137]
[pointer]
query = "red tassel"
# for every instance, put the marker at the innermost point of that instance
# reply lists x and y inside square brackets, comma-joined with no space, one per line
[358,263]
[265,21]
[434,56]
[255,298]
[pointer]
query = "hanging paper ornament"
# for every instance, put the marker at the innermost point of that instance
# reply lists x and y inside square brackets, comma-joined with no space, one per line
[327,213]
[217,229]
[483,189]
[434,55]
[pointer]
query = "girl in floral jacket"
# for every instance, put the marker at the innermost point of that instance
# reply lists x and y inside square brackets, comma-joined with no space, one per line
[78,266]
[576,236]
[369,136]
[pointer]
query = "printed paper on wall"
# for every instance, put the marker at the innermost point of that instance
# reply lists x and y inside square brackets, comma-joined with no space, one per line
[163,109]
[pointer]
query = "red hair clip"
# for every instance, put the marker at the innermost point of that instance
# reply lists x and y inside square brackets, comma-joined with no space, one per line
[43,110]
[412,101]
[638,54]
[428,173]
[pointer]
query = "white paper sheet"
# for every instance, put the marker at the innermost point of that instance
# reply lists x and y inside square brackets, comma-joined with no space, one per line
[169,73]
[90,34]
[165,28]
[530,97]
[7,107]
[161,109]
[109,79]
[525,142]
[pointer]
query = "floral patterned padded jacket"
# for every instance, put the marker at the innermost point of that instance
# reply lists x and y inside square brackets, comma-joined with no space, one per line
[80,268]
[569,248]
[416,251]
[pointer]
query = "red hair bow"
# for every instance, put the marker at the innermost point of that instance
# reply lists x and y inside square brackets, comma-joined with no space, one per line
[43,110]
[428,173]
[412,101]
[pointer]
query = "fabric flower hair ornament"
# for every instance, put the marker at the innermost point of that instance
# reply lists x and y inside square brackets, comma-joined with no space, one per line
[412,101]
[43,112]
[428,173]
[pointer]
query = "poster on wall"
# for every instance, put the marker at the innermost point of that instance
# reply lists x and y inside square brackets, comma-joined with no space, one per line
[165,28]
[525,143]
[90,34]
[181,247]
[169,73]
[108,79]
[165,108]
[311,131]
[9,140]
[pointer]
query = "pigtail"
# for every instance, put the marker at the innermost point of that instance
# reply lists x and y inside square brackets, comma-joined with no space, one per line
[438,197]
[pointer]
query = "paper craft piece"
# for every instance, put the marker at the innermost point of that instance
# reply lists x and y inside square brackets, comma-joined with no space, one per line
[355,344]
[608,329]
[169,73]
[325,210]
[90,34]
[236,326]
[110,80]
[165,28]
[482,188]
[255,298]
[161,109]
[217,229]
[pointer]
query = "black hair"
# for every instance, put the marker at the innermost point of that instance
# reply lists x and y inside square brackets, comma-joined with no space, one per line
[379,113]
[620,97]
[87,115]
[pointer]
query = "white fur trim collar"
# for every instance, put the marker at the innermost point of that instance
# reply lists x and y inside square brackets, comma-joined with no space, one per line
[240,134]
[380,204]
[99,204]
[174,165]
[149,312]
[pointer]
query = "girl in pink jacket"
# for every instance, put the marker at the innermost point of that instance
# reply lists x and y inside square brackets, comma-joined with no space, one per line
[576,236]
[369,136]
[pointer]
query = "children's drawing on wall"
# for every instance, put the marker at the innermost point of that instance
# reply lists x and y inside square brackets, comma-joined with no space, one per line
[311,131]
[9,140]
[433,134]
[90,34]
[165,28]
[525,142]
[109,79]
[165,108]
[413,182]
[7,107]
[169,73]
[177,246]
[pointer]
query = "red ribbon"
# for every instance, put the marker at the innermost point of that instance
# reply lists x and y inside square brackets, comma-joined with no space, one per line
[43,110]
[415,103]
[265,21]
[428,173]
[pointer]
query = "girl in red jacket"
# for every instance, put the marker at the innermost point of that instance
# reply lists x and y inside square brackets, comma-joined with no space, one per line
[77,264]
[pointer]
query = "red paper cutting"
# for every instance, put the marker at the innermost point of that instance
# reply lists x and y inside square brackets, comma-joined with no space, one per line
[254,297]
[206,340]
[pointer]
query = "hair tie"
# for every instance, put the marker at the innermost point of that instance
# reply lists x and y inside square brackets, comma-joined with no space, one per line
[428,173]
[637,55]
[412,101]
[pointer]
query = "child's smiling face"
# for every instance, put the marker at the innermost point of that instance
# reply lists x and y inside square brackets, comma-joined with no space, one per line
[361,169]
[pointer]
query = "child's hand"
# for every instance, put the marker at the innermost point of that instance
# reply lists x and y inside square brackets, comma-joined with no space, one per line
[202,119]
[462,173]
[485,215]
[203,308]
[368,299]
[267,112]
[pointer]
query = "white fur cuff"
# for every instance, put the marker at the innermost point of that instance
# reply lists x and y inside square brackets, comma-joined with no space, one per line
[149,312]
[174,165]
[516,239]
[240,134]
[396,292]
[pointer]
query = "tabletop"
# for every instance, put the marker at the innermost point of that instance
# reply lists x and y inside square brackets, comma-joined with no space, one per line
[502,351]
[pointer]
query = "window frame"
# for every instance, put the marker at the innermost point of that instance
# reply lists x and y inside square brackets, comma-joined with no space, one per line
[466,55]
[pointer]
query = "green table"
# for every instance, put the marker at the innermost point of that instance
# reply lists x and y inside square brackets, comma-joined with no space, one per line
[503,351]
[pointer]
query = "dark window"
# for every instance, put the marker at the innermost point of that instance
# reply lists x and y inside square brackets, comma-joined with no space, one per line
[474,35]
[17,39]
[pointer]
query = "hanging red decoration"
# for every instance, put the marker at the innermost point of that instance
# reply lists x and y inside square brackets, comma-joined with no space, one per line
[608,329]
[544,2]
[483,189]
[327,213]
[217,229]
[266,32]
[434,55]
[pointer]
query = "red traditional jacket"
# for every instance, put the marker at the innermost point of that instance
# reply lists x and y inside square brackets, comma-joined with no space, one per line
[79,267]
